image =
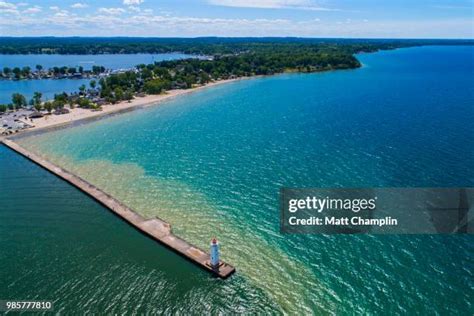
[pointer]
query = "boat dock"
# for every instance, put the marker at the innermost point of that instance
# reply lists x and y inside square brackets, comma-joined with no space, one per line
[154,227]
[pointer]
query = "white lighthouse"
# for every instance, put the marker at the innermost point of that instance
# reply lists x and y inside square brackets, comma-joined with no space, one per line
[214,253]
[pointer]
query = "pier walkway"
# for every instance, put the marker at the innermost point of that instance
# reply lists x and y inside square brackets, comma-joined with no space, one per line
[155,227]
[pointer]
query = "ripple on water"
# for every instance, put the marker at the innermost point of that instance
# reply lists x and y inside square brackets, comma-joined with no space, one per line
[211,163]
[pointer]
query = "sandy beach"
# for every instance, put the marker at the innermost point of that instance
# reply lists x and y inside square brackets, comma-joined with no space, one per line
[77,114]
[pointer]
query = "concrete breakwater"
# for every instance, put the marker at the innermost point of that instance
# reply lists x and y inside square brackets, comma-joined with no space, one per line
[154,227]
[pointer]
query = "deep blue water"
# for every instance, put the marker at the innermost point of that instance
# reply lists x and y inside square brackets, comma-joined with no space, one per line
[212,163]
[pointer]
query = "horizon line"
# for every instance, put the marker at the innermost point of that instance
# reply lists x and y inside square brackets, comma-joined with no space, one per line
[242,37]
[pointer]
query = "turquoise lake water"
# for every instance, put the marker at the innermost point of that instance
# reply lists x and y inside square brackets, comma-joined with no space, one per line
[50,87]
[212,162]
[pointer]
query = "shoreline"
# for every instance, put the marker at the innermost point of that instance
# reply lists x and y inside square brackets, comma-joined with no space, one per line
[79,114]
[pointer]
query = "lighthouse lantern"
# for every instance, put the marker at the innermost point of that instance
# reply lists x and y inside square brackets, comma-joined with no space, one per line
[214,253]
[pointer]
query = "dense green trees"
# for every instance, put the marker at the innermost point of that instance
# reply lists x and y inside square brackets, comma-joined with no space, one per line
[37,101]
[56,72]
[98,69]
[18,100]
[25,71]
[157,86]
[17,72]
[118,87]
[185,73]
[38,106]
[60,100]
[82,89]
[37,97]
[118,93]
[48,106]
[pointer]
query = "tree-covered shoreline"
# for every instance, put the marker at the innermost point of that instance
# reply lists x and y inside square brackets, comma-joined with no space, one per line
[40,72]
[200,45]
[231,58]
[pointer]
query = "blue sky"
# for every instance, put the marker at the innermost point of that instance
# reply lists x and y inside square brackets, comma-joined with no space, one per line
[305,18]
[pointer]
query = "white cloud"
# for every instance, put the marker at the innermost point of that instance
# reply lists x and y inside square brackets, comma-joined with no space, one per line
[22,4]
[54,8]
[79,5]
[112,11]
[134,8]
[9,11]
[165,13]
[8,8]
[7,5]
[60,23]
[133,2]
[271,4]
[32,10]
[62,14]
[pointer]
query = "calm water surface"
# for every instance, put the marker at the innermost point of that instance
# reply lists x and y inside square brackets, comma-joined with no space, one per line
[211,163]
[109,61]
[48,87]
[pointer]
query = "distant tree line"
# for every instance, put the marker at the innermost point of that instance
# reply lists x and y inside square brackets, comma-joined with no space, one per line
[202,45]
